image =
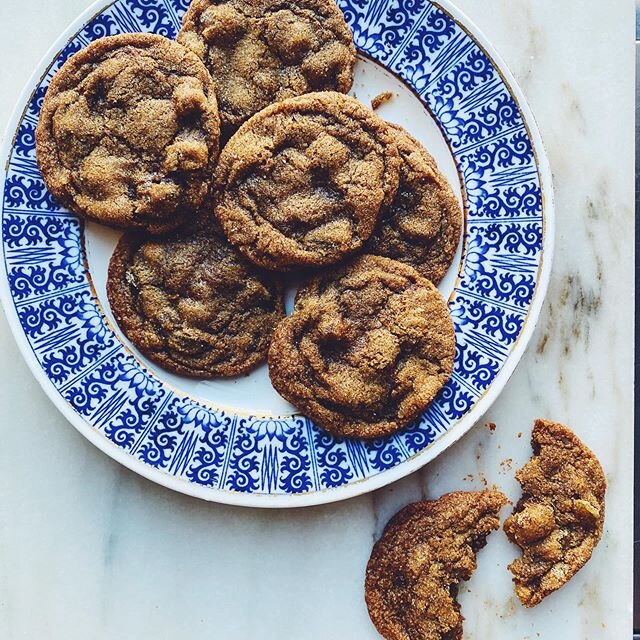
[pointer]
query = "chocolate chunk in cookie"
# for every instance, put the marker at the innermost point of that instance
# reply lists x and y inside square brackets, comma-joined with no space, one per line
[192,304]
[422,226]
[129,132]
[264,51]
[558,521]
[425,551]
[302,183]
[366,349]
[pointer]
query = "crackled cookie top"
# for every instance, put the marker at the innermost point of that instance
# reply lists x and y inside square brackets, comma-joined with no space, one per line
[192,304]
[129,132]
[558,521]
[366,349]
[263,51]
[302,182]
[422,225]
[425,551]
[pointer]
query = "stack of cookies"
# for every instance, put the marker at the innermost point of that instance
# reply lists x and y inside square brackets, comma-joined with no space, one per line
[309,182]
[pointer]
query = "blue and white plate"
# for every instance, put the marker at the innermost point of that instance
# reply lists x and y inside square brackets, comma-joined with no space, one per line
[237,441]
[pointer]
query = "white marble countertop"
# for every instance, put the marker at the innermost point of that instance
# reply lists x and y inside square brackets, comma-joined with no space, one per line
[90,550]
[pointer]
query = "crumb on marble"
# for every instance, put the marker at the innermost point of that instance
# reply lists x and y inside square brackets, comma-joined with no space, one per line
[506,464]
[491,426]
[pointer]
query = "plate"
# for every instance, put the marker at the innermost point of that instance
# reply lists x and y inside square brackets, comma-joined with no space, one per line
[237,441]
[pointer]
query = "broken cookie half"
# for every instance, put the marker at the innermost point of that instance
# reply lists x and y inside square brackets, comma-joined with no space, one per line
[425,551]
[558,521]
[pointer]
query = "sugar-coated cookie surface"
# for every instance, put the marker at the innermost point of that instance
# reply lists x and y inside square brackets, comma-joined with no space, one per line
[263,51]
[425,551]
[302,183]
[129,132]
[422,226]
[559,518]
[192,304]
[366,350]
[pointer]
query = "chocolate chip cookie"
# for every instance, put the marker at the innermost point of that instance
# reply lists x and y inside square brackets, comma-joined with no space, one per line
[425,551]
[302,183]
[264,51]
[422,226]
[192,304]
[366,349]
[129,132]
[558,521]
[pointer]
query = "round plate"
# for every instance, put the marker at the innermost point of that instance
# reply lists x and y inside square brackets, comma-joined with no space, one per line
[236,441]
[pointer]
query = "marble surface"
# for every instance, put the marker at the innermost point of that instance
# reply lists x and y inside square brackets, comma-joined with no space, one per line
[89,550]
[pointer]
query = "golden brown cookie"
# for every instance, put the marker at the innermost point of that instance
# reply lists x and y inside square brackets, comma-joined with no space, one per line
[264,51]
[422,226]
[366,350]
[129,131]
[192,304]
[425,551]
[558,521]
[302,183]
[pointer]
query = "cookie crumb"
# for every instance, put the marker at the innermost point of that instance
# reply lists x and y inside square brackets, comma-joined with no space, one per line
[491,426]
[380,99]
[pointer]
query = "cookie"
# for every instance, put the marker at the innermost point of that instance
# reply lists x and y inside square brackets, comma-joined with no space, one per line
[129,132]
[425,551]
[264,51]
[422,226]
[558,520]
[366,349]
[191,304]
[302,183]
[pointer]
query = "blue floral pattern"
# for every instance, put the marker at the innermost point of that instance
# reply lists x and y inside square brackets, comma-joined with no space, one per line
[113,392]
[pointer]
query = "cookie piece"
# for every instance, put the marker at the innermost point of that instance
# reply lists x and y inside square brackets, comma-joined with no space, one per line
[558,521]
[366,349]
[302,183]
[264,51]
[192,304]
[425,551]
[129,132]
[422,226]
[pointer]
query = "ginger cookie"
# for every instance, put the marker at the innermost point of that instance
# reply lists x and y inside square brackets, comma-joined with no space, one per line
[129,132]
[558,520]
[193,305]
[302,183]
[366,350]
[422,226]
[264,51]
[425,551]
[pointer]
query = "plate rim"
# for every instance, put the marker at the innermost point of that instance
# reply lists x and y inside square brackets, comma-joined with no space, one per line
[359,487]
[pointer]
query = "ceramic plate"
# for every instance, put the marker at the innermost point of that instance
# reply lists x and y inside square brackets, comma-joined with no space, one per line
[237,441]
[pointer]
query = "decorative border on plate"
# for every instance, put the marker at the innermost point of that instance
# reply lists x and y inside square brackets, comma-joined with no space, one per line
[73,345]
